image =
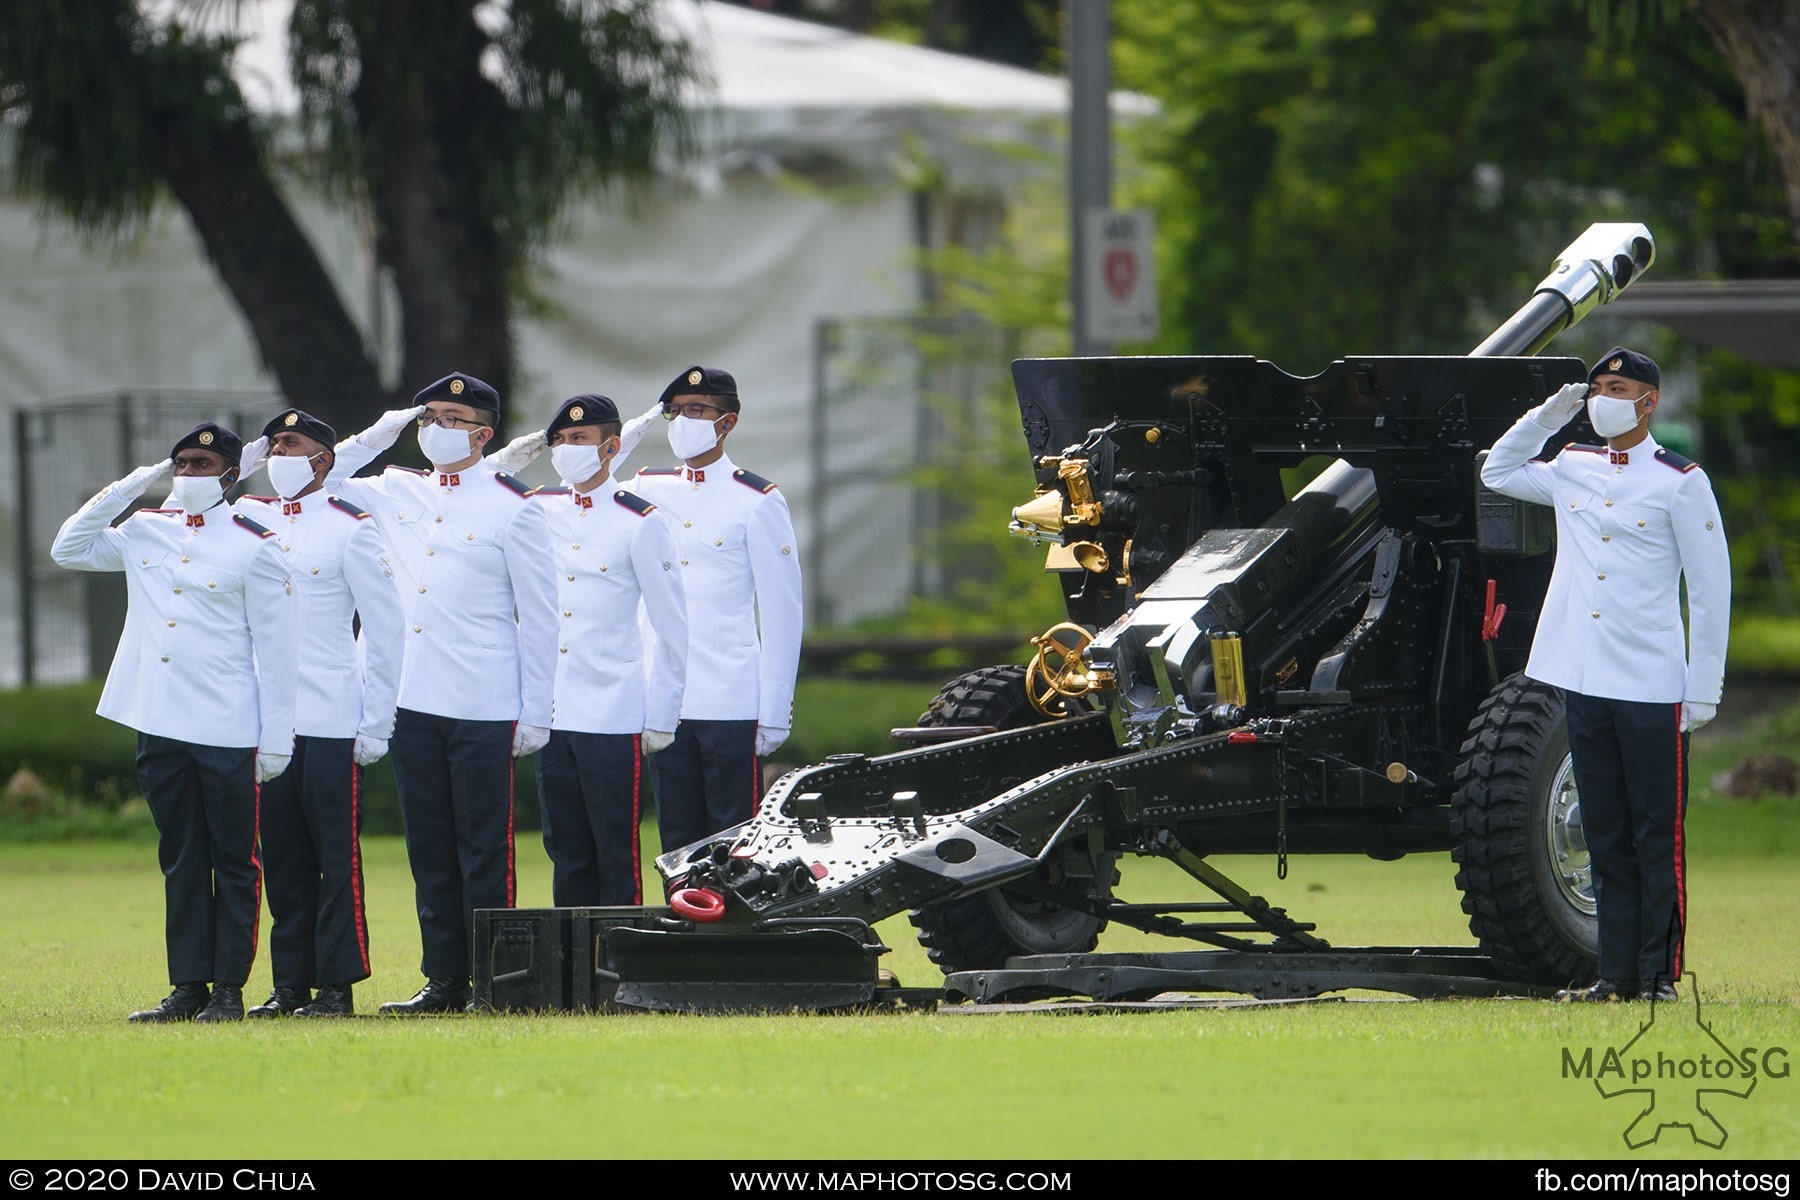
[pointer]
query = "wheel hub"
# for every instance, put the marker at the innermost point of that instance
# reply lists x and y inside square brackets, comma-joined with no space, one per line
[1570,865]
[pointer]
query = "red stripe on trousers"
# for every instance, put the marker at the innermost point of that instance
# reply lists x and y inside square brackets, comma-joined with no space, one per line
[1680,846]
[511,770]
[637,817]
[356,876]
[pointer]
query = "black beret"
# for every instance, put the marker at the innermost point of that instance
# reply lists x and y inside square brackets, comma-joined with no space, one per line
[701,381]
[585,409]
[295,421]
[461,389]
[214,437]
[1630,364]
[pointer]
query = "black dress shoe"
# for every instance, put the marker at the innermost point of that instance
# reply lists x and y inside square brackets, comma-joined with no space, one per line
[179,1005]
[437,996]
[227,1004]
[333,1000]
[281,1002]
[1603,991]
[1658,991]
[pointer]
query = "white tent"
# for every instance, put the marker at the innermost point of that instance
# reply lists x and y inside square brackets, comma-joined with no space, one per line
[798,209]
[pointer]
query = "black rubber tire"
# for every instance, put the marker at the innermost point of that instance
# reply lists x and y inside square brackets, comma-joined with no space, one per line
[982,931]
[1513,814]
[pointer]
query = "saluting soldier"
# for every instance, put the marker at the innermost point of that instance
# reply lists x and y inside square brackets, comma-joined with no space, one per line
[615,555]
[472,558]
[344,715]
[1633,520]
[740,568]
[205,672]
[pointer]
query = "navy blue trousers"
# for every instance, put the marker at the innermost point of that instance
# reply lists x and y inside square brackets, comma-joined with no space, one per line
[455,780]
[312,860]
[203,799]
[591,789]
[707,779]
[1631,769]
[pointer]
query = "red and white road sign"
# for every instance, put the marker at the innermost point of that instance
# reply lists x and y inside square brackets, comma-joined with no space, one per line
[1119,276]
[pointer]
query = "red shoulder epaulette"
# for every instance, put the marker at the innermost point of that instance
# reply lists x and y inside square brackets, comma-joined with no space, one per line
[660,471]
[252,526]
[1585,449]
[345,506]
[413,470]
[634,502]
[510,484]
[549,490]
[751,480]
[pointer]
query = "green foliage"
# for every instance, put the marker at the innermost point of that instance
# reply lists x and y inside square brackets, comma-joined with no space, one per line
[1353,177]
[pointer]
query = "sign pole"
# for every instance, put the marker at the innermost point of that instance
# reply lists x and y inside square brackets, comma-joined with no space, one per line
[1088,26]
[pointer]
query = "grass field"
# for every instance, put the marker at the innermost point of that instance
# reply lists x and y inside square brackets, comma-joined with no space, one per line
[1349,1078]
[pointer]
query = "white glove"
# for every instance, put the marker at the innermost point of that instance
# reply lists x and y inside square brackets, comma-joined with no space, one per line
[517,454]
[529,739]
[268,766]
[368,749]
[631,433]
[1561,408]
[388,427]
[768,737]
[1695,714]
[654,740]
[255,454]
[139,481]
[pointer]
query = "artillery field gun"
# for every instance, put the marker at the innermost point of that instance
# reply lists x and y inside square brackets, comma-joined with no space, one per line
[1248,667]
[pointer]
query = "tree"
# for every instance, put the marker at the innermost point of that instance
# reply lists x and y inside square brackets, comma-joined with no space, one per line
[463,128]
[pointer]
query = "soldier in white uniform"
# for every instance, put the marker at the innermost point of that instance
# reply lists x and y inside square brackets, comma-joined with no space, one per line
[1633,520]
[205,672]
[471,554]
[740,567]
[344,715]
[615,554]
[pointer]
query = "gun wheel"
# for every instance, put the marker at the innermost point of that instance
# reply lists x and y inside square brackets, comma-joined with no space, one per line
[984,930]
[1522,860]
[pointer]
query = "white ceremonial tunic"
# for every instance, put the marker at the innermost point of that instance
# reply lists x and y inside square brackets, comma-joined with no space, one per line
[1626,535]
[740,568]
[615,553]
[209,649]
[469,550]
[340,569]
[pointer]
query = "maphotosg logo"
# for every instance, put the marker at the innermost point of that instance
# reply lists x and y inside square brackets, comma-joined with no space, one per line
[1683,1074]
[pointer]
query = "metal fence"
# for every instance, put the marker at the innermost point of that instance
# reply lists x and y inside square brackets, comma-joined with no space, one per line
[57,625]
[898,401]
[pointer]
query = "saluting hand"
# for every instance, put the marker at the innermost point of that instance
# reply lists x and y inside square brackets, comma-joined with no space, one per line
[388,427]
[518,454]
[1562,407]
[135,484]
[255,454]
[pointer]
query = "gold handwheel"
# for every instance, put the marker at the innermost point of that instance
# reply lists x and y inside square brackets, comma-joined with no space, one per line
[1057,672]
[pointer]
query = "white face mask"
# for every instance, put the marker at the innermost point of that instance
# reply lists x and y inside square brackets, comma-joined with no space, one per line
[443,446]
[576,464]
[195,493]
[690,437]
[289,474]
[1612,416]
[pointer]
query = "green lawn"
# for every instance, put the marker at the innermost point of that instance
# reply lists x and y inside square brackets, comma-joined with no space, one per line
[1361,1077]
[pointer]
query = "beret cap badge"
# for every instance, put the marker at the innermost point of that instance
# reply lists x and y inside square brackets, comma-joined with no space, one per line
[291,419]
[575,413]
[456,387]
[694,376]
[206,437]
[1615,364]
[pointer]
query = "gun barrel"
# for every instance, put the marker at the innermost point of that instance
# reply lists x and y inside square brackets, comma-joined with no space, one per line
[1591,271]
